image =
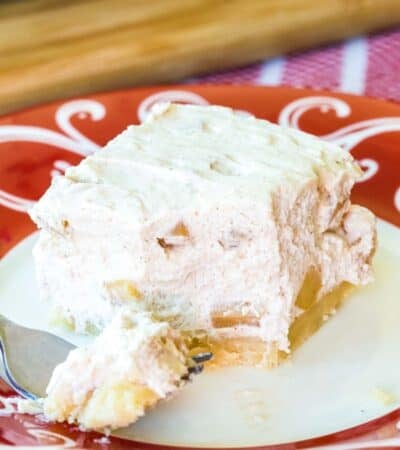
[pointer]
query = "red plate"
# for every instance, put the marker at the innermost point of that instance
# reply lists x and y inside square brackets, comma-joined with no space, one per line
[39,143]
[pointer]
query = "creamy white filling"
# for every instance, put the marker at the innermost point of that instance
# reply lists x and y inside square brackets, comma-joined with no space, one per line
[260,205]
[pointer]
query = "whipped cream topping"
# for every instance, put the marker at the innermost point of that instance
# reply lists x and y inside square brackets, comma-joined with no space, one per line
[204,214]
[189,156]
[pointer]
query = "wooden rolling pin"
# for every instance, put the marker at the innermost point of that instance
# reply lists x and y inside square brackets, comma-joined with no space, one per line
[51,49]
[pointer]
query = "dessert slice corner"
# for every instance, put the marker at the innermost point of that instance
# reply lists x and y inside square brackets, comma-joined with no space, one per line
[110,383]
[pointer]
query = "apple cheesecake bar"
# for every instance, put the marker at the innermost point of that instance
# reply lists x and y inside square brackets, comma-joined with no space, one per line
[237,232]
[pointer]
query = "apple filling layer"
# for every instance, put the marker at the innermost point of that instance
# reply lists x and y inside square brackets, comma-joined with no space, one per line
[253,351]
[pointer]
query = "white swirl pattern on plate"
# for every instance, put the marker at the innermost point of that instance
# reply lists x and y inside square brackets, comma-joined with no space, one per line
[72,140]
[172,96]
[347,137]
[397,199]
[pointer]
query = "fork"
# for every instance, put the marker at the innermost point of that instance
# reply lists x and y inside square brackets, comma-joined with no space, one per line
[30,356]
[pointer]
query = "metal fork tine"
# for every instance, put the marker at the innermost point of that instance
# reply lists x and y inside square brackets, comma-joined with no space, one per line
[194,370]
[198,368]
[202,357]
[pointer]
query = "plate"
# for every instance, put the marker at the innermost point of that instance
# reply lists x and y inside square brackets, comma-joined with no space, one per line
[340,390]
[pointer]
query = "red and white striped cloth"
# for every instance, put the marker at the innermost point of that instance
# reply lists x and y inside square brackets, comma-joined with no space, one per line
[367,65]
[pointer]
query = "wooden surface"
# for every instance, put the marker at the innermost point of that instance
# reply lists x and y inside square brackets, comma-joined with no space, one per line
[51,49]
